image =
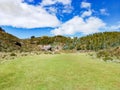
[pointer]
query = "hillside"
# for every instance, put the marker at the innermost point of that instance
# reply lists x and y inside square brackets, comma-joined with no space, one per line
[8,42]
[93,42]
[99,41]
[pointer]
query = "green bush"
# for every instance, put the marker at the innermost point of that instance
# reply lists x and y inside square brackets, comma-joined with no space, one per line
[103,54]
[13,54]
[107,59]
[24,54]
[4,56]
[91,54]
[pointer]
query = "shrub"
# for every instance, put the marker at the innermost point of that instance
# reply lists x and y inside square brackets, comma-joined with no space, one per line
[13,54]
[107,59]
[90,54]
[103,54]
[25,54]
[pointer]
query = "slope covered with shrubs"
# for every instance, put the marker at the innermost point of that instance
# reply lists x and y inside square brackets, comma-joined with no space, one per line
[109,54]
[99,41]
[93,42]
[8,42]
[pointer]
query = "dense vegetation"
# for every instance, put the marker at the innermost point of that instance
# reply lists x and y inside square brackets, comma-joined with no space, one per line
[109,54]
[32,69]
[8,42]
[97,41]
[104,41]
[100,41]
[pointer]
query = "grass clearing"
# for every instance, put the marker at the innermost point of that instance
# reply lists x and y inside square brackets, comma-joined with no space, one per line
[59,72]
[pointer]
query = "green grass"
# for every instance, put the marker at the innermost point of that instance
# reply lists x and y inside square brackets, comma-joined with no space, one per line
[59,72]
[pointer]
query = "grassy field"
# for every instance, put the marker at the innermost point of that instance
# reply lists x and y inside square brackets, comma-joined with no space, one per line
[59,72]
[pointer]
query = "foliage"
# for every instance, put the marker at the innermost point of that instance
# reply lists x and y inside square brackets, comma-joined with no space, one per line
[109,53]
[99,41]
[8,42]
[95,42]
[107,59]
[13,54]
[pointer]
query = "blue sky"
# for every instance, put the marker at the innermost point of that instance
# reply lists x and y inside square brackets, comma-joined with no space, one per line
[25,18]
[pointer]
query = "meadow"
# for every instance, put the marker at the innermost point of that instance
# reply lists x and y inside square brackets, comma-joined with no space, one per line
[59,72]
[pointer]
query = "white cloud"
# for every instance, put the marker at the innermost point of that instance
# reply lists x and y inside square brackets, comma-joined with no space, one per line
[67,9]
[85,5]
[79,25]
[17,14]
[104,12]
[86,13]
[50,2]
[115,27]
[52,10]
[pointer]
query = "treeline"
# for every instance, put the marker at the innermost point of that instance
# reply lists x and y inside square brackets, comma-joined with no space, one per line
[95,42]
[99,41]
[45,40]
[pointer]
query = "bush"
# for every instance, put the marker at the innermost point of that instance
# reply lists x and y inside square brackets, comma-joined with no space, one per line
[91,54]
[103,54]
[4,56]
[13,54]
[25,54]
[107,59]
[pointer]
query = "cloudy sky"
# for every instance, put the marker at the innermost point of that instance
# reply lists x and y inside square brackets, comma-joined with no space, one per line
[25,18]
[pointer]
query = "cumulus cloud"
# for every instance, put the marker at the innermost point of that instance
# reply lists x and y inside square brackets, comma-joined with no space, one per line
[79,25]
[67,7]
[86,23]
[51,10]
[115,27]
[104,12]
[86,13]
[17,14]
[51,2]
[85,5]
